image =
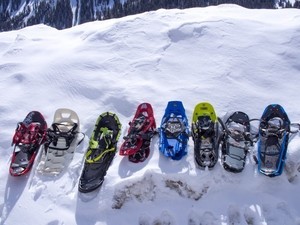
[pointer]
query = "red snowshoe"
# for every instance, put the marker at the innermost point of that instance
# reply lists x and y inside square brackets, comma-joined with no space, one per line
[29,136]
[140,132]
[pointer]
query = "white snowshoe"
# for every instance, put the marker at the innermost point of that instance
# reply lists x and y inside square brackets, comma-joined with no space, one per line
[62,140]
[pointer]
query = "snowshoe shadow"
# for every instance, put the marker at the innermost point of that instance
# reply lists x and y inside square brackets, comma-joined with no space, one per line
[127,168]
[292,171]
[13,191]
[82,211]
[168,165]
[88,196]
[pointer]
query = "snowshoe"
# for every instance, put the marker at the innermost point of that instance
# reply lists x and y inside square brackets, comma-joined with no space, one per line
[141,130]
[205,135]
[235,141]
[62,140]
[174,131]
[274,130]
[101,151]
[29,136]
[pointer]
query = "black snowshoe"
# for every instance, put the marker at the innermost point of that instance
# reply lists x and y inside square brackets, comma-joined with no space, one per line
[101,151]
[235,141]
[205,136]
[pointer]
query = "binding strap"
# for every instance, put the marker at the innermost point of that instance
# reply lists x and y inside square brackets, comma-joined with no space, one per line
[56,133]
[105,140]
[98,157]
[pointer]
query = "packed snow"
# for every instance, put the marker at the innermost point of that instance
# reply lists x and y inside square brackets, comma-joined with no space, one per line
[235,58]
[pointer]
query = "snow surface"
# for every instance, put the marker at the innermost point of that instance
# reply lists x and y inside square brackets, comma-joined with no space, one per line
[235,58]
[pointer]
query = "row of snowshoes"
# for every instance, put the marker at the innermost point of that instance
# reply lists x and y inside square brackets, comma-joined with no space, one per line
[103,144]
[173,133]
[234,136]
[58,142]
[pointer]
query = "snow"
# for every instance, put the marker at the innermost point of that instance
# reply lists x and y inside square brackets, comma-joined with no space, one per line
[235,58]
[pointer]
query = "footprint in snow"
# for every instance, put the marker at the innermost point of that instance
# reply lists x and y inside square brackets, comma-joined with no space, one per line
[38,190]
[277,214]
[291,171]
[234,216]
[193,219]
[164,219]
[284,212]
[250,216]
[207,218]
[144,220]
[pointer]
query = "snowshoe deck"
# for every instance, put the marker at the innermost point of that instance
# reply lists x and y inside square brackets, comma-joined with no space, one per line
[29,136]
[273,140]
[174,131]
[235,141]
[140,132]
[62,140]
[205,135]
[101,151]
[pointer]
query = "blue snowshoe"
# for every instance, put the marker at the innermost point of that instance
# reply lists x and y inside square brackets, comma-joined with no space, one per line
[274,130]
[174,131]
